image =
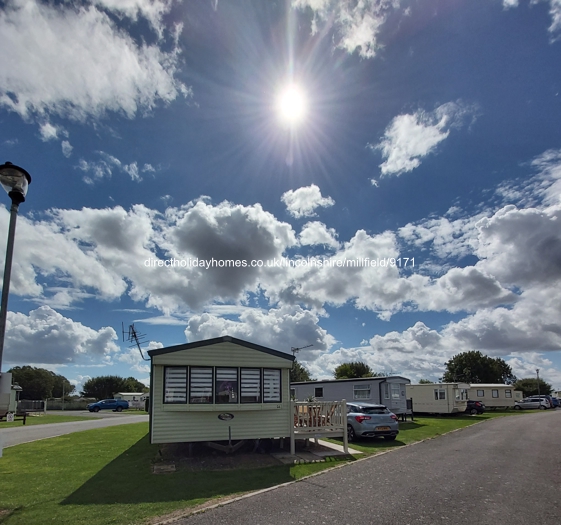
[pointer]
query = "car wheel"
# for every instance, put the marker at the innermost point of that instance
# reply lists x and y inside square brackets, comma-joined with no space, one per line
[473,411]
[390,438]
[119,409]
[542,407]
[96,409]
[351,436]
[517,407]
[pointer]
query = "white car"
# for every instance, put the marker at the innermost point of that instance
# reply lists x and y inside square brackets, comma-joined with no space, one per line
[532,402]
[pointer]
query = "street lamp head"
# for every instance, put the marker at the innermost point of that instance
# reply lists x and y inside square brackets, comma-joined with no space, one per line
[15,181]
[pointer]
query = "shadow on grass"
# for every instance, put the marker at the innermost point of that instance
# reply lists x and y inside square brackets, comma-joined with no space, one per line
[129,479]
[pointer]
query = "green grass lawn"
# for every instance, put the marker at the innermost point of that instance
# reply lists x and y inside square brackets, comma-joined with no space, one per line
[104,476]
[40,419]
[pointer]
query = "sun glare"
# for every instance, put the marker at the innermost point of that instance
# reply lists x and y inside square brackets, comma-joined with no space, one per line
[291,105]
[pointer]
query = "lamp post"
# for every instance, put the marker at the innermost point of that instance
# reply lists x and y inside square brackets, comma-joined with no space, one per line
[15,181]
[538,376]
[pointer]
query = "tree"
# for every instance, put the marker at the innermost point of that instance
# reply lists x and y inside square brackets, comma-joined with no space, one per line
[62,386]
[134,385]
[299,372]
[36,383]
[474,367]
[425,382]
[529,386]
[354,369]
[105,387]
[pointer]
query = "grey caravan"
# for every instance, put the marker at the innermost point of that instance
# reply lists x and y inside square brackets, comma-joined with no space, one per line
[388,391]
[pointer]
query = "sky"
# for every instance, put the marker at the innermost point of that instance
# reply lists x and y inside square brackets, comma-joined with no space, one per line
[374,180]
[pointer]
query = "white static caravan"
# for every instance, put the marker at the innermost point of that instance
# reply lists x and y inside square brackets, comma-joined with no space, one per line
[135,399]
[389,391]
[495,395]
[219,389]
[439,398]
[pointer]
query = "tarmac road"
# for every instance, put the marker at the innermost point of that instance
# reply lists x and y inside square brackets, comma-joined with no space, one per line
[25,433]
[505,471]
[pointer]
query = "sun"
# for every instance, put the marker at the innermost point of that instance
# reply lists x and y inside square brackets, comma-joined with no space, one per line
[291,105]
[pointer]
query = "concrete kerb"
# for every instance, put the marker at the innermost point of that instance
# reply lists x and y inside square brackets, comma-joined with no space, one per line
[168,521]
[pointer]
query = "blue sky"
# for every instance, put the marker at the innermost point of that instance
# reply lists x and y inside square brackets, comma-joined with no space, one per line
[154,130]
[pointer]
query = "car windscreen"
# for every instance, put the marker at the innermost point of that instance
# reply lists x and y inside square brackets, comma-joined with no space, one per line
[373,410]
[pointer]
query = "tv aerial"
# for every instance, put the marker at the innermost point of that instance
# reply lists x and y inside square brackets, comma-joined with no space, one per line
[136,338]
[295,350]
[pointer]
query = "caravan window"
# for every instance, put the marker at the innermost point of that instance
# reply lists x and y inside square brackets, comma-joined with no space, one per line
[386,391]
[462,394]
[508,393]
[395,391]
[318,392]
[226,385]
[361,392]
[200,385]
[175,384]
[495,392]
[250,384]
[439,394]
[481,393]
[271,386]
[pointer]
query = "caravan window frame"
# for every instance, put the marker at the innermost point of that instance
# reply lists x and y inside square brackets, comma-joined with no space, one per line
[366,388]
[439,394]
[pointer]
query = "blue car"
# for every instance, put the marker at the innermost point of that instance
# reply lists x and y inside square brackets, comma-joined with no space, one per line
[117,405]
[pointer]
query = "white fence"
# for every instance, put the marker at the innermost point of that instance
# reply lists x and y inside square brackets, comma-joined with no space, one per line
[319,419]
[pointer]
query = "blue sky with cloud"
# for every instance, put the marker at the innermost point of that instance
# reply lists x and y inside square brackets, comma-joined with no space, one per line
[152,132]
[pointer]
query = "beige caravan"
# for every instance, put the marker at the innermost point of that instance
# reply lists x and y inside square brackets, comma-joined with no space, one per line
[219,389]
[439,398]
[494,395]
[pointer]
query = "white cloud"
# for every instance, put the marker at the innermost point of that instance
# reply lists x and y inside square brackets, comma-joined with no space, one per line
[152,10]
[132,170]
[509,291]
[304,201]
[66,148]
[48,132]
[46,249]
[522,247]
[278,328]
[99,67]
[446,238]
[135,359]
[97,170]
[317,233]
[555,13]
[410,137]
[357,23]
[78,382]
[45,336]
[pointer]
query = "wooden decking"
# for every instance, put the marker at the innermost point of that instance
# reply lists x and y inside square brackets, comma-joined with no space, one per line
[319,419]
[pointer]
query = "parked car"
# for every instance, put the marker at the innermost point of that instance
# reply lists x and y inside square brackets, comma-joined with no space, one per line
[549,398]
[556,402]
[369,420]
[532,402]
[117,405]
[475,407]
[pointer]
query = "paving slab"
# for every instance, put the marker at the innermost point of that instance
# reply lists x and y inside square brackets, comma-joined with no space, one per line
[313,454]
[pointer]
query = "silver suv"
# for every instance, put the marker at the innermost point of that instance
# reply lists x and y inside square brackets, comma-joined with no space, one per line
[532,402]
[368,420]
